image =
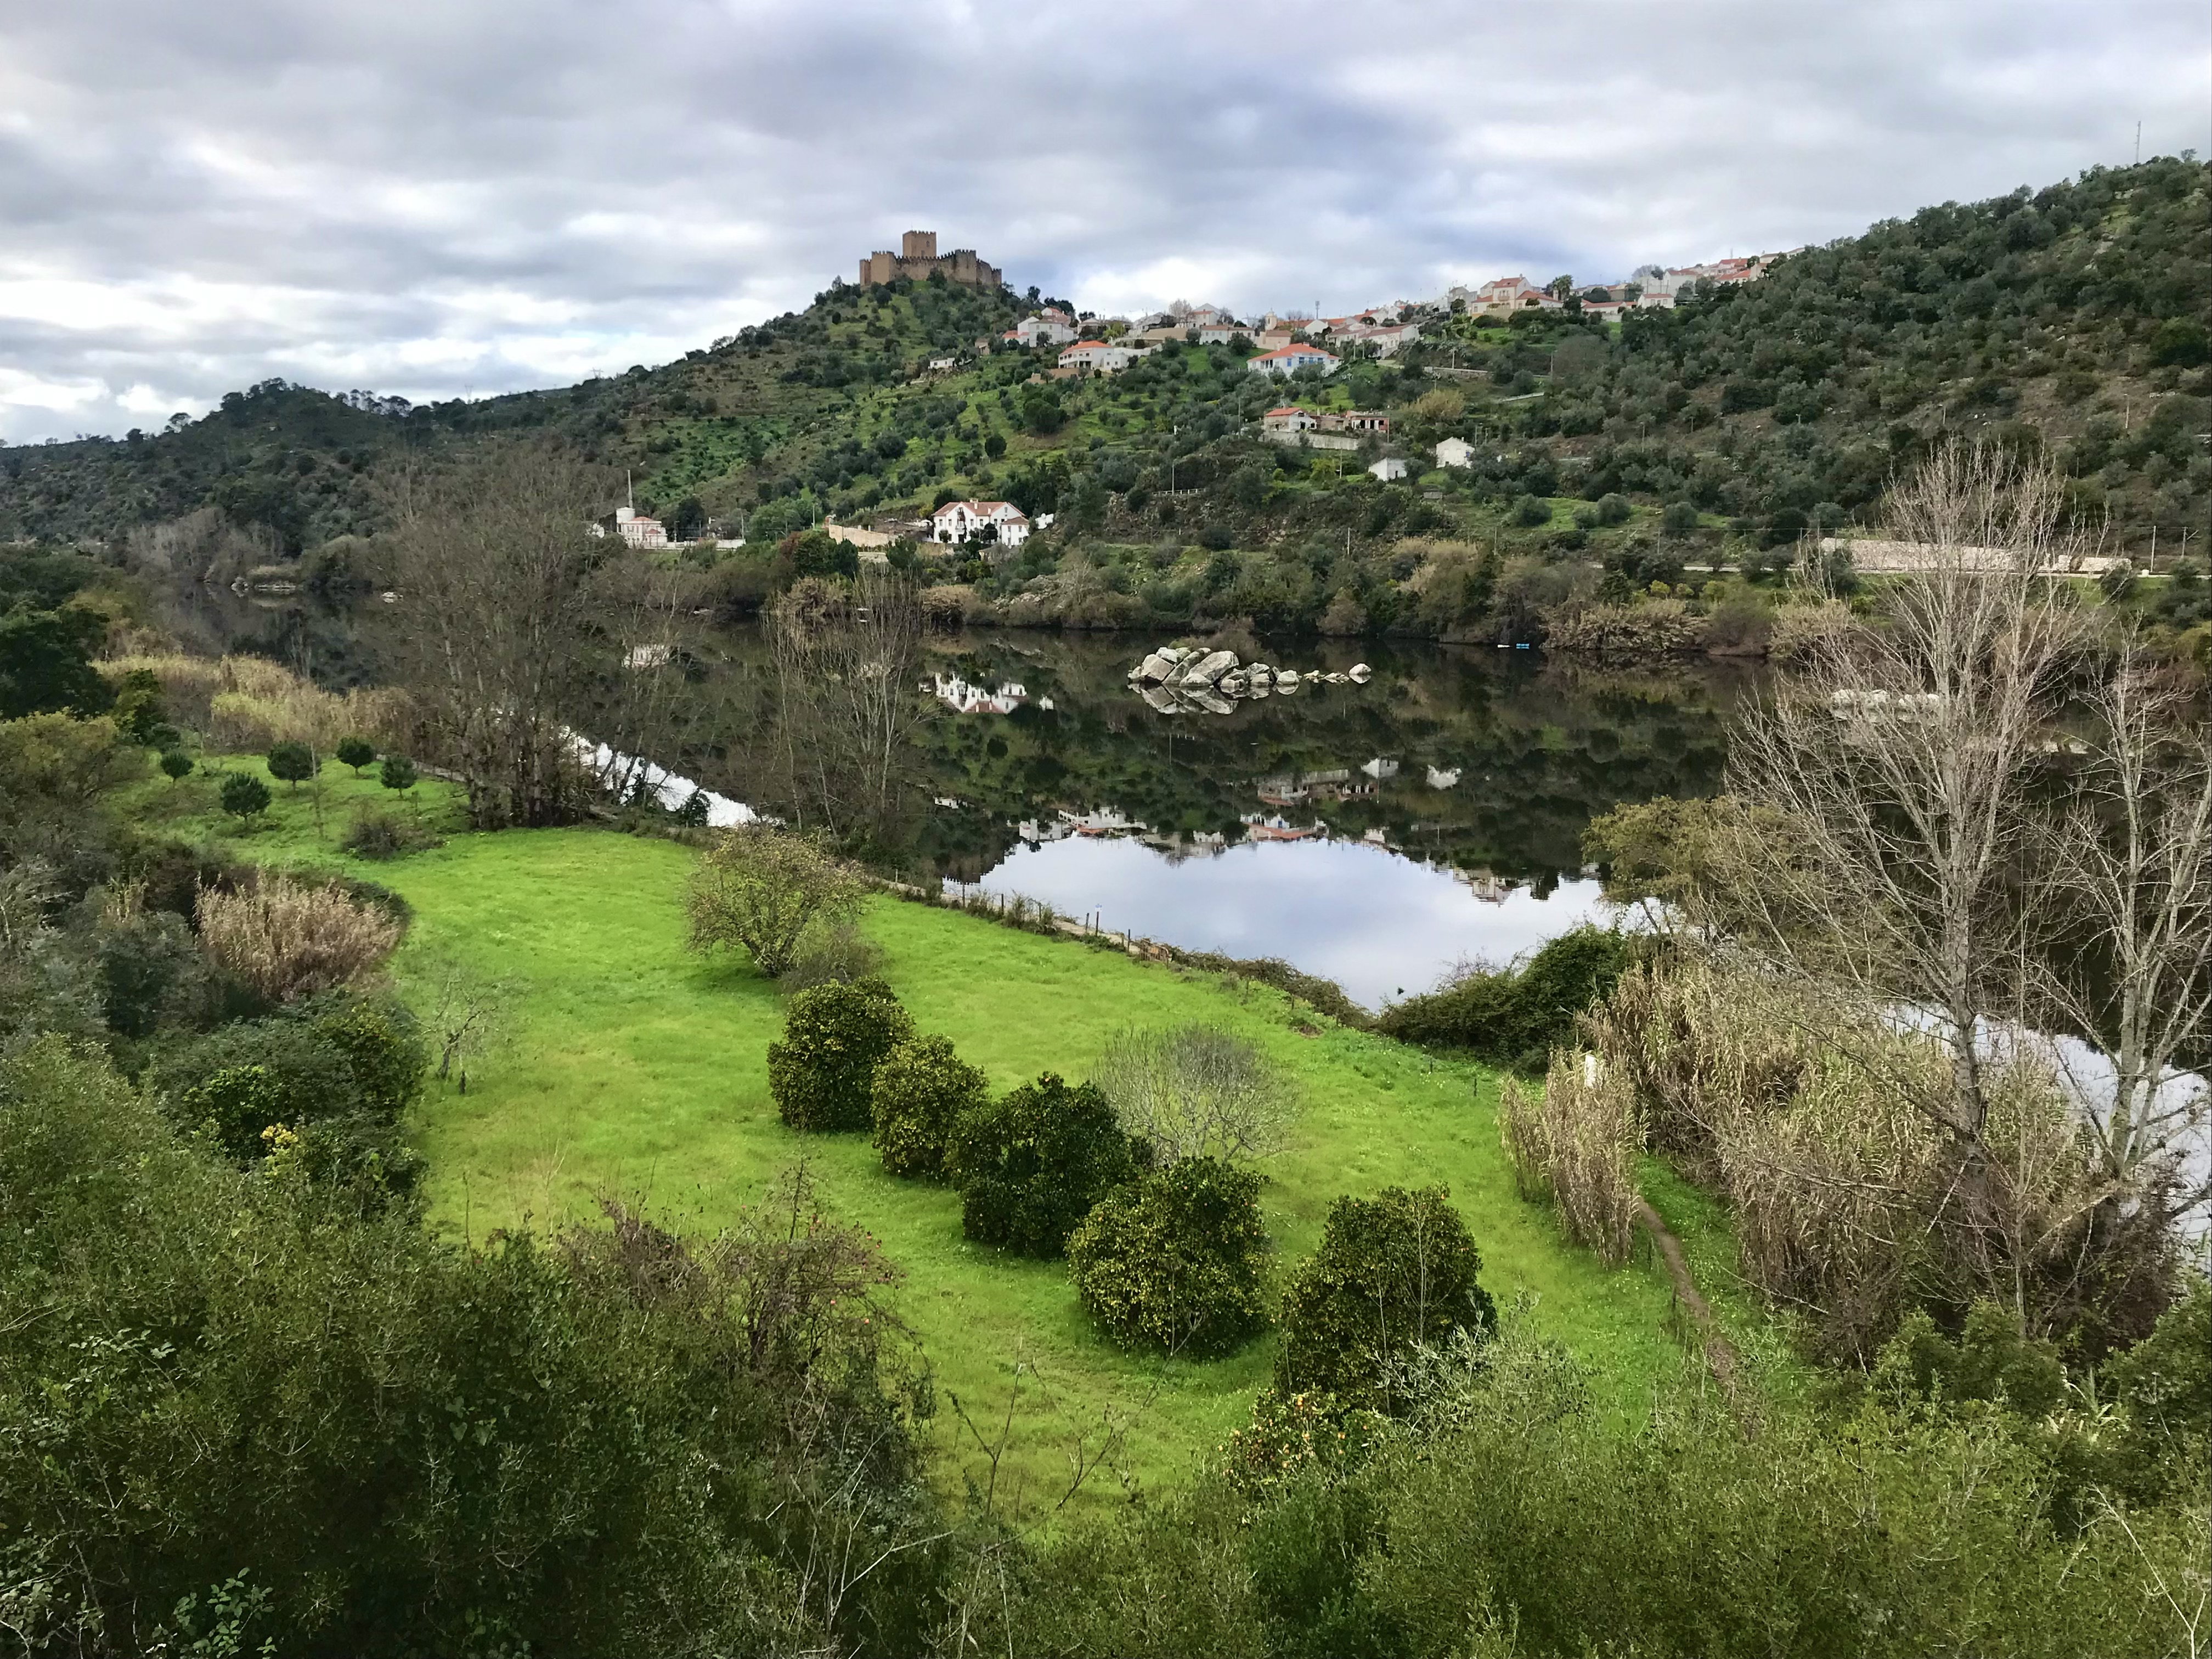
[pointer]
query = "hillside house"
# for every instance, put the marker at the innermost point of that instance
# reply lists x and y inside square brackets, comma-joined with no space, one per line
[1051,326]
[1455,452]
[1290,419]
[1288,360]
[1354,420]
[1389,469]
[639,529]
[966,521]
[1101,356]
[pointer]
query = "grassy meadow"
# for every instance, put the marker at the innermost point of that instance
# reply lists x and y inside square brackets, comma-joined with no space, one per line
[634,1068]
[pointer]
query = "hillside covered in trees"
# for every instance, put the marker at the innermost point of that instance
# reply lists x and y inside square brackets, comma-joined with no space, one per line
[2073,319]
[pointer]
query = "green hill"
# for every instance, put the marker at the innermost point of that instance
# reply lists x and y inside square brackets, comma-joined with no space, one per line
[2074,318]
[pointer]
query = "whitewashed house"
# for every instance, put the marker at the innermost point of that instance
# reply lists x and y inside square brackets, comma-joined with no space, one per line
[1290,359]
[1389,469]
[639,529]
[1455,452]
[964,521]
[1101,356]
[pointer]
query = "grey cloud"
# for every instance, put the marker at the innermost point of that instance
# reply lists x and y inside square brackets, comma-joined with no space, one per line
[425,196]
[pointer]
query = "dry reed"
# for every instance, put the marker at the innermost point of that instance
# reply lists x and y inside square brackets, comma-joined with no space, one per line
[288,940]
[1578,1142]
[245,704]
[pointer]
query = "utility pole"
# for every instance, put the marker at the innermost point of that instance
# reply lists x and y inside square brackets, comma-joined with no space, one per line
[2138,143]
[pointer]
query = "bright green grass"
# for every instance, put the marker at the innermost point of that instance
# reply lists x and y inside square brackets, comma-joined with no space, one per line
[639,1071]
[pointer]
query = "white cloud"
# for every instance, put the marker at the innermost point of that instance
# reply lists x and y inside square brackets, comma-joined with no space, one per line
[423,195]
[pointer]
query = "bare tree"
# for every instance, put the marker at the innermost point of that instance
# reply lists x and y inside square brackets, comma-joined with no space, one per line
[846,658]
[1921,852]
[2132,862]
[521,633]
[1903,757]
[1196,1092]
[468,1016]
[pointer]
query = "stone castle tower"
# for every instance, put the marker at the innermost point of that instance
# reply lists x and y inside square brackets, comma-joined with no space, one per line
[919,260]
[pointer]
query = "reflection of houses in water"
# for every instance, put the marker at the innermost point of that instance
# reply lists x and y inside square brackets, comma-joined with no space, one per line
[1441,777]
[1295,789]
[1280,829]
[1111,821]
[1489,888]
[963,698]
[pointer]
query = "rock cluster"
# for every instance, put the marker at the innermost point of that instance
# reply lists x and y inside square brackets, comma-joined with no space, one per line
[1175,679]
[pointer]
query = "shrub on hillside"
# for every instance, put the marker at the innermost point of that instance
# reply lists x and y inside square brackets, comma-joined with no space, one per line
[288,939]
[823,1070]
[1392,1272]
[1516,1016]
[243,795]
[379,835]
[292,763]
[1195,1091]
[355,752]
[832,953]
[1177,1262]
[918,1092]
[1643,632]
[760,890]
[1031,1165]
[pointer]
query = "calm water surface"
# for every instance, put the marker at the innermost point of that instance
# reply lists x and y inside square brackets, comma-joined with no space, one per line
[1373,834]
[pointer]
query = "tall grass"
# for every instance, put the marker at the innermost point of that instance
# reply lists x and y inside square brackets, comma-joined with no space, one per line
[246,704]
[1577,1143]
[288,939]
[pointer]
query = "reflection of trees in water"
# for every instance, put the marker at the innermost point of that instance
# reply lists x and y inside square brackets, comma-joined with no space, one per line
[1539,751]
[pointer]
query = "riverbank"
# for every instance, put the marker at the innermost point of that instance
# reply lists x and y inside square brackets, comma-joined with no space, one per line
[635,1069]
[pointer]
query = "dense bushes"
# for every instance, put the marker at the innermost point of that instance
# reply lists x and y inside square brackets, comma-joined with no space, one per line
[1030,1164]
[1392,1272]
[918,1091]
[760,890]
[823,1071]
[1178,1261]
[336,1074]
[1516,1016]
[369,1441]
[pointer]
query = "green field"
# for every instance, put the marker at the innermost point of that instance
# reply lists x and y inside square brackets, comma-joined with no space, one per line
[638,1070]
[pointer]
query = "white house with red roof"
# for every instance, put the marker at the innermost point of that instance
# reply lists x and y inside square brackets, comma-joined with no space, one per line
[1288,418]
[639,529]
[965,521]
[1051,326]
[1290,359]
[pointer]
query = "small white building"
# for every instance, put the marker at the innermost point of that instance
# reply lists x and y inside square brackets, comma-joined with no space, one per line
[1455,452]
[1291,358]
[639,529]
[964,521]
[1101,356]
[1048,328]
[1389,469]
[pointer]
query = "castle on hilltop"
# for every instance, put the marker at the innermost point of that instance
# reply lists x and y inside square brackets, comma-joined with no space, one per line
[919,260]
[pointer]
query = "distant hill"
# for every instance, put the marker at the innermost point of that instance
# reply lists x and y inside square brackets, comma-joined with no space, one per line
[2075,318]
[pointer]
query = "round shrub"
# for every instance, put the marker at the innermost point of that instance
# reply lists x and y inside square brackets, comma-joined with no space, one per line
[919,1090]
[397,771]
[1178,1261]
[1030,1166]
[243,794]
[293,762]
[176,765]
[1392,1272]
[834,1036]
[355,752]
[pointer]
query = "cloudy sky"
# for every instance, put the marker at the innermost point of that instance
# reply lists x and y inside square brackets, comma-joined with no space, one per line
[436,197]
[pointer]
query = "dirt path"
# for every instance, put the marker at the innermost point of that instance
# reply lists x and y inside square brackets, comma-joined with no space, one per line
[1719,1351]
